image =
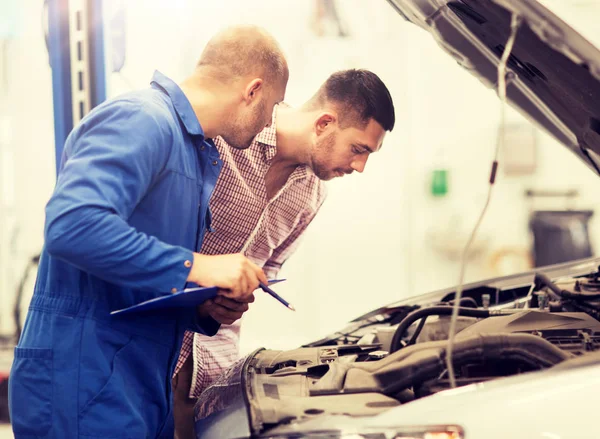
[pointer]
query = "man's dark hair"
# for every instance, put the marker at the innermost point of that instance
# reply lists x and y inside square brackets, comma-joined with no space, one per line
[359,96]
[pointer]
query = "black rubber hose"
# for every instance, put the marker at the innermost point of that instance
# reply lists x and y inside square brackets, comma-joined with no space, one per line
[541,280]
[585,308]
[431,311]
[466,301]
[414,337]
[420,363]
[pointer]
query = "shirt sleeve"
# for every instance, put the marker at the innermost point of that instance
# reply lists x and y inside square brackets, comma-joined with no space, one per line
[112,159]
[291,243]
[213,356]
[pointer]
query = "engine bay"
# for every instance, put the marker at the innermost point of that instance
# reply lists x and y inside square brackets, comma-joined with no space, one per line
[396,355]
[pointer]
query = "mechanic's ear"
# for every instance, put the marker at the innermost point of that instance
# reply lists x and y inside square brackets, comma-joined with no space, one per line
[324,122]
[253,90]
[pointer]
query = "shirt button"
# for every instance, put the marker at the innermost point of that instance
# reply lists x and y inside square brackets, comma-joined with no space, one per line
[201,147]
[188,264]
[215,163]
[173,290]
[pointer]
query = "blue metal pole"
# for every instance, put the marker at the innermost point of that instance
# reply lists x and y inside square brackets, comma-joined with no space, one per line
[61,58]
[60,62]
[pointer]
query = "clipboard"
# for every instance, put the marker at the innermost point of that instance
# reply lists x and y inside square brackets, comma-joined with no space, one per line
[181,299]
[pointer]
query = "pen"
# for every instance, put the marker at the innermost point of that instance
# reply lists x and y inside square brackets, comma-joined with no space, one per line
[266,289]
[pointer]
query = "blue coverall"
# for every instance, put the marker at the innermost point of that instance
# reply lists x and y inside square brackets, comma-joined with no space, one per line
[129,207]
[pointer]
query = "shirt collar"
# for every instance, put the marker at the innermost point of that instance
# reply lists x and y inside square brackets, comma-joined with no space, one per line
[180,102]
[265,142]
[268,137]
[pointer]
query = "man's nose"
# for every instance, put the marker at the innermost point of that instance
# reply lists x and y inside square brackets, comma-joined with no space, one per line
[359,163]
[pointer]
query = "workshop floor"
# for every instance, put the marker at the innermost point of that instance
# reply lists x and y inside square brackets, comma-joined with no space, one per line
[6,432]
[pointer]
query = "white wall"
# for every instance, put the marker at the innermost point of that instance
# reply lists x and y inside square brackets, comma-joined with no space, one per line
[26,148]
[369,246]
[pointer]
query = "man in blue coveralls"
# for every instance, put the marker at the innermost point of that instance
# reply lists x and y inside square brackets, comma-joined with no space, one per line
[124,225]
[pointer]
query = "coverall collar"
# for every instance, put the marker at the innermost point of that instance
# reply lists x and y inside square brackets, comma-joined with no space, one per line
[180,102]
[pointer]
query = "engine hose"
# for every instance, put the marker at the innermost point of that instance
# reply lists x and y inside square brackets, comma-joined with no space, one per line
[586,309]
[541,280]
[467,302]
[431,311]
[415,335]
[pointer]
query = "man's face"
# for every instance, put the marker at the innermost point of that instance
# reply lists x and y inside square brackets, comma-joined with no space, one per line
[253,118]
[338,152]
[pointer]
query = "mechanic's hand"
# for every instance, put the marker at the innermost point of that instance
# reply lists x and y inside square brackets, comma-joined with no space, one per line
[234,273]
[225,310]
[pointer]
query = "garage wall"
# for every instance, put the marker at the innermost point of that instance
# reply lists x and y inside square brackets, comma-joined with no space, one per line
[26,144]
[377,237]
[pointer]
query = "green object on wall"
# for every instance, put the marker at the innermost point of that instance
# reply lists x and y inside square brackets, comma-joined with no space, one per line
[439,182]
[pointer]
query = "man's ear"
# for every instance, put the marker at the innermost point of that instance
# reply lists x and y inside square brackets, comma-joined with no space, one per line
[253,89]
[324,122]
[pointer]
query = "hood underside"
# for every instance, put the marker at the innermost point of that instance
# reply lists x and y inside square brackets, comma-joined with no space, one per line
[553,71]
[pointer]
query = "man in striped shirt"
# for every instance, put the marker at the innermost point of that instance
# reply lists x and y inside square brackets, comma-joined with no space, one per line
[268,194]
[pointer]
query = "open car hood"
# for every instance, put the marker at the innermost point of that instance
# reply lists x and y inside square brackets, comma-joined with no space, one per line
[556,71]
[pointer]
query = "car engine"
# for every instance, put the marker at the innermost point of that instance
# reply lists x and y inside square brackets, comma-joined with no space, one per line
[396,354]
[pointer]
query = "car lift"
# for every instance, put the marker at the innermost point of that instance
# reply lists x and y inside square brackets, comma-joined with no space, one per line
[76,50]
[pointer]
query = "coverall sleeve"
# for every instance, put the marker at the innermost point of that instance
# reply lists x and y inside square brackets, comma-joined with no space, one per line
[204,325]
[113,159]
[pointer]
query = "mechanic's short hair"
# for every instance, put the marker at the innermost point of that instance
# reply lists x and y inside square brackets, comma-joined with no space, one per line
[244,50]
[359,95]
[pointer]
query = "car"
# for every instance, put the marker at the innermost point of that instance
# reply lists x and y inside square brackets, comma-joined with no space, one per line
[526,355]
